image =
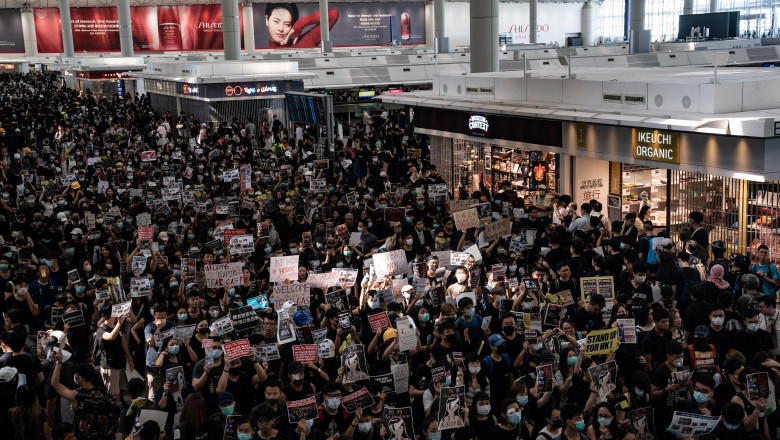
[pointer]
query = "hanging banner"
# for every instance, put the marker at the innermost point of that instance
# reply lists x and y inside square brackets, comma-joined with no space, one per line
[11,36]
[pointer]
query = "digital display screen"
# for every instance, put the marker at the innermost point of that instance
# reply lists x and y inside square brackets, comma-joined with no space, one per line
[307,109]
[366,94]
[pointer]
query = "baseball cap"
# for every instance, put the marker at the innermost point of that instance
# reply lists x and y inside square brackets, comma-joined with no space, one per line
[701,330]
[225,397]
[667,243]
[295,367]
[77,231]
[407,288]
[7,373]
[496,340]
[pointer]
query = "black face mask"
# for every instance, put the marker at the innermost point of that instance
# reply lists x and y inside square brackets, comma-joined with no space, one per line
[203,331]
[509,329]
[559,423]
[234,370]
[272,402]
[450,339]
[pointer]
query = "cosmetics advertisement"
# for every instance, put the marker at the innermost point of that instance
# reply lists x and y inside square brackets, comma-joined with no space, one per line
[297,25]
[155,28]
[11,37]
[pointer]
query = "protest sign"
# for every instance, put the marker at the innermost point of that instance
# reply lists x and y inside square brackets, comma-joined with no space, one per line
[304,409]
[146,233]
[266,352]
[460,205]
[242,245]
[238,348]
[347,277]
[318,186]
[122,309]
[74,318]
[140,287]
[305,353]
[451,403]
[601,342]
[221,326]
[175,377]
[338,300]
[497,229]
[139,264]
[391,263]
[407,335]
[400,377]
[224,275]
[244,318]
[326,349]
[322,281]
[544,379]
[690,425]
[398,422]
[379,321]
[284,268]
[284,331]
[353,359]
[626,331]
[459,258]
[466,219]
[359,399]
[258,302]
[387,385]
[296,293]
[245,177]
[643,422]
[758,385]
[183,332]
[605,377]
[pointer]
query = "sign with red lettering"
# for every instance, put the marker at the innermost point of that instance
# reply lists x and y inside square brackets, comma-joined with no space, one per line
[224,275]
[305,353]
[284,268]
[296,293]
[379,321]
[238,349]
[391,263]
[146,233]
[230,233]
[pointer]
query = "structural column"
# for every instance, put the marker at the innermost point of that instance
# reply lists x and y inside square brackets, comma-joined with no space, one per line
[429,24]
[639,38]
[125,27]
[687,7]
[484,35]
[67,29]
[532,22]
[326,45]
[587,24]
[28,31]
[249,28]
[231,33]
[713,6]
[442,42]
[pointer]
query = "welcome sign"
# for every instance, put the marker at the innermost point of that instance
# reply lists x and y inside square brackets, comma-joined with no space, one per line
[658,145]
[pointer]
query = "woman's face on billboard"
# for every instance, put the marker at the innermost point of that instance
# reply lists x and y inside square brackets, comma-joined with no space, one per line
[279,24]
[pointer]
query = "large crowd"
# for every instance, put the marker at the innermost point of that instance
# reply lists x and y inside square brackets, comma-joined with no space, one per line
[149,292]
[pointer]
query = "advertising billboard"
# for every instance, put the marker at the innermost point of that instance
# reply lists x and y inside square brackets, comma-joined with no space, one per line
[297,25]
[155,28]
[11,37]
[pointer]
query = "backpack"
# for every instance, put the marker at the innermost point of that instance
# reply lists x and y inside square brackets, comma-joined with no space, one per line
[652,257]
[96,417]
[489,362]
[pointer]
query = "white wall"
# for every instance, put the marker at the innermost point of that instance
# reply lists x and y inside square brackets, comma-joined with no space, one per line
[555,20]
[591,181]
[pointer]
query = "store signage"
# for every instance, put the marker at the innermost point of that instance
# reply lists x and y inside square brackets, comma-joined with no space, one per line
[657,145]
[582,135]
[479,125]
[234,90]
[189,90]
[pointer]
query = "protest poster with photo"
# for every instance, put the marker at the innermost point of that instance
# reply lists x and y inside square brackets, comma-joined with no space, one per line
[544,379]
[318,186]
[605,377]
[175,377]
[258,302]
[305,353]
[691,425]
[589,286]
[140,287]
[359,399]
[242,245]
[338,300]
[284,331]
[643,421]
[601,342]
[451,405]
[498,272]
[394,214]
[626,331]
[244,318]
[138,265]
[221,326]
[39,347]
[459,258]
[342,232]
[266,352]
[74,318]
[304,409]
[399,423]
[73,276]
[224,275]
[183,332]
[347,277]
[353,359]
[296,293]
[551,316]
[231,427]
[122,309]
[407,334]
[284,268]
[758,385]
[188,267]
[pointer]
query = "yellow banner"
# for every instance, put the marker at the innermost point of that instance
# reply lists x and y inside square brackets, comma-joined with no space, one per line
[601,342]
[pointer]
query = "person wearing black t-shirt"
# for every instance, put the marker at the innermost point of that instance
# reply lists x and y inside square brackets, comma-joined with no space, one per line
[638,289]
[298,389]
[589,318]
[654,342]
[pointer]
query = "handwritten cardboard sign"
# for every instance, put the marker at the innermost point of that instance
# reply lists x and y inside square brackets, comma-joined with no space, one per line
[224,275]
[466,219]
[296,293]
[497,229]
[284,268]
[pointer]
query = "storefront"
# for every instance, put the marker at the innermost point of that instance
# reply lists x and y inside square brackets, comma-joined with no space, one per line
[661,174]
[100,83]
